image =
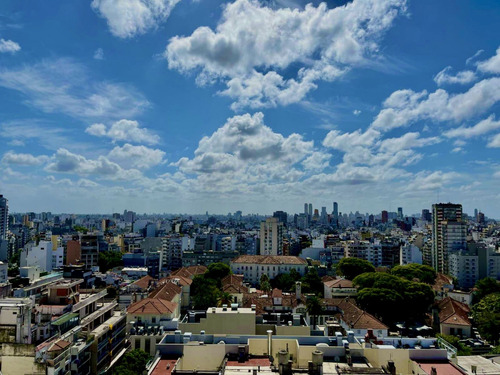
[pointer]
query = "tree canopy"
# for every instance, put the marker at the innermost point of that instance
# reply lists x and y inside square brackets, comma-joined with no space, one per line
[422,273]
[314,307]
[206,288]
[311,282]
[109,259]
[486,315]
[352,267]
[390,297]
[132,363]
[217,271]
[484,287]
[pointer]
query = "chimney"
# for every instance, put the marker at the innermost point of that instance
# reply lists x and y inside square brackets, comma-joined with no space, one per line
[298,289]
[270,343]
[433,371]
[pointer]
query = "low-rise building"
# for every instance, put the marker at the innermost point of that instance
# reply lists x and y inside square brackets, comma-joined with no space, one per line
[252,267]
[339,288]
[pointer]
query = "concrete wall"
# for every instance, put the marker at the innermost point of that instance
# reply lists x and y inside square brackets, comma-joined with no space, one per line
[202,357]
[293,331]
[380,357]
[223,323]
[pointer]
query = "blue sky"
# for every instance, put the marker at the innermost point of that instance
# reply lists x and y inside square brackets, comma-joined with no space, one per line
[186,106]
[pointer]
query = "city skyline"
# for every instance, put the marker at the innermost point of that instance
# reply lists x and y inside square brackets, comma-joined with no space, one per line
[186,108]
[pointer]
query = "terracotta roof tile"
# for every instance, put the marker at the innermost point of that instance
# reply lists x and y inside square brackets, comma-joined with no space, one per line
[152,306]
[269,259]
[143,282]
[353,316]
[453,312]
[339,283]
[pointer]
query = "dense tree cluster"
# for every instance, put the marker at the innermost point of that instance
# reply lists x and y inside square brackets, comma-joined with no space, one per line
[486,315]
[352,267]
[206,288]
[132,363]
[109,259]
[390,297]
[416,272]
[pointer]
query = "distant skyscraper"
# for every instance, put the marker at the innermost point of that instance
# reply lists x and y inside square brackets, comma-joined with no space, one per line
[448,234]
[281,216]
[271,237]
[426,215]
[475,214]
[324,216]
[385,216]
[400,213]
[306,208]
[310,213]
[335,213]
[4,217]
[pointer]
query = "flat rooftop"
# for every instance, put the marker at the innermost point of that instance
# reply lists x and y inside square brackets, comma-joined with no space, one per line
[239,310]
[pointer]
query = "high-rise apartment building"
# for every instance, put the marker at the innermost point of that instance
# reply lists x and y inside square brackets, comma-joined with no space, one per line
[385,216]
[172,249]
[448,234]
[271,237]
[281,216]
[400,213]
[89,250]
[4,217]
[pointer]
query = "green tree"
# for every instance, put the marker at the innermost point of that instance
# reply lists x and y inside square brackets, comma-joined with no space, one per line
[204,292]
[408,298]
[352,267]
[314,308]
[224,298]
[109,259]
[217,271]
[295,275]
[284,282]
[132,363]
[311,282]
[486,315]
[484,287]
[264,279]
[381,302]
[423,273]
[265,286]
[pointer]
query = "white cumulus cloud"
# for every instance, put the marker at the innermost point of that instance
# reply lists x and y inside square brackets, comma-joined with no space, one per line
[404,107]
[444,77]
[485,126]
[124,130]
[9,46]
[136,156]
[11,157]
[253,44]
[492,65]
[127,18]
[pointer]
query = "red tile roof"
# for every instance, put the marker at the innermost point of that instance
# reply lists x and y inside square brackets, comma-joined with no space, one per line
[232,279]
[269,259]
[152,306]
[339,283]
[453,312]
[353,316]
[143,282]
[167,291]
[59,345]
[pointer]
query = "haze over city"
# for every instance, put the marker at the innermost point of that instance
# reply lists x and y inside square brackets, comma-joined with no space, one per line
[195,106]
